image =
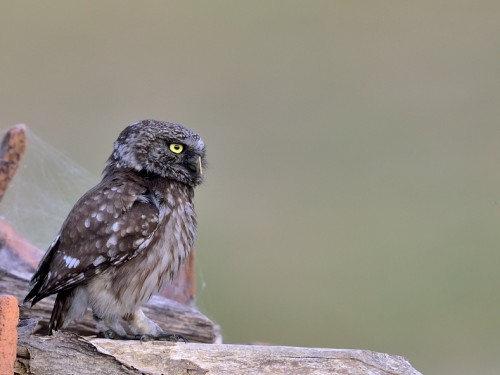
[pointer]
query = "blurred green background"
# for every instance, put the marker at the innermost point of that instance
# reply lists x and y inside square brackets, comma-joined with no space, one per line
[354,180]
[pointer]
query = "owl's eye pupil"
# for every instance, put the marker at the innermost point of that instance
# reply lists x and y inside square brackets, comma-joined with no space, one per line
[176,148]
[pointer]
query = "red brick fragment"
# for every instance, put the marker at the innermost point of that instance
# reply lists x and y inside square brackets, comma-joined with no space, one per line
[9,317]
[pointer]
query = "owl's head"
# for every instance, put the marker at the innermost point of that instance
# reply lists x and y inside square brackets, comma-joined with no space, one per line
[160,148]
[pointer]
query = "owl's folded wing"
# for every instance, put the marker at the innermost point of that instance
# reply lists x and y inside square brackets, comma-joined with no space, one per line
[109,225]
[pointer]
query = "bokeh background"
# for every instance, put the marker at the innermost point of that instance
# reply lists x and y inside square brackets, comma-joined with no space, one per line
[352,199]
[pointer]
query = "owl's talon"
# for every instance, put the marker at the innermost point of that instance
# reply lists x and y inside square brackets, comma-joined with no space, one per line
[110,334]
[171,337]
[145,338]
[164,337]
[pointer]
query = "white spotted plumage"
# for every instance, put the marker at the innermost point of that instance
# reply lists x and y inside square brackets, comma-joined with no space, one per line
[128,235]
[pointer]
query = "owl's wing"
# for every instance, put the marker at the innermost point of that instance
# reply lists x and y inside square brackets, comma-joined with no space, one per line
[109,225]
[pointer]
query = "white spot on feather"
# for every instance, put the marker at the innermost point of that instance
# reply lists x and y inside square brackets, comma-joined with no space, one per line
[170,200]
[71,262]
[100,259]
[138,242]
[112,241]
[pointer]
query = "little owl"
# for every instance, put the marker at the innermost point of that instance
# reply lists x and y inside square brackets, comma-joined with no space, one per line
[127,236]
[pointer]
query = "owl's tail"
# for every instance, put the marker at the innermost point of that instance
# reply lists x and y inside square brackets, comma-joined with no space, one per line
[61,307]
[70,305]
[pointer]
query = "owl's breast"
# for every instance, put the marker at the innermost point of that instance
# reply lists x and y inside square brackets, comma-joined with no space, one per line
[136,280]
[175,238]
[170,245]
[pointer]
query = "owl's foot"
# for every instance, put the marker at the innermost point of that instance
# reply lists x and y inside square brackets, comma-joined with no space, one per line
[163,337]
[110,334]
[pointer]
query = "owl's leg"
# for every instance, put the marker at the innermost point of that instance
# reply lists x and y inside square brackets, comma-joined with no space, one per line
[140,324]
[145,329]
[110,328]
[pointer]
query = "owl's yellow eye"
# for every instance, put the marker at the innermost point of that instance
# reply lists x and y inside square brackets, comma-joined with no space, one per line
[176,148]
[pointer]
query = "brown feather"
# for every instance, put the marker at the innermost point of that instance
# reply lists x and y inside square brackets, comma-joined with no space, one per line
[129,234]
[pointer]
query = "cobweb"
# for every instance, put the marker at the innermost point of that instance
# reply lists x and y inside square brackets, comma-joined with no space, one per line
[43,191]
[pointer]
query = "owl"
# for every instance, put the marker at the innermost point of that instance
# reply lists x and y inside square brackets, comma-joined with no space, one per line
[128,236]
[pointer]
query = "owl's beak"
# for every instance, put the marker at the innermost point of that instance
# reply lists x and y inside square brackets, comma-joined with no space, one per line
[199,168]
